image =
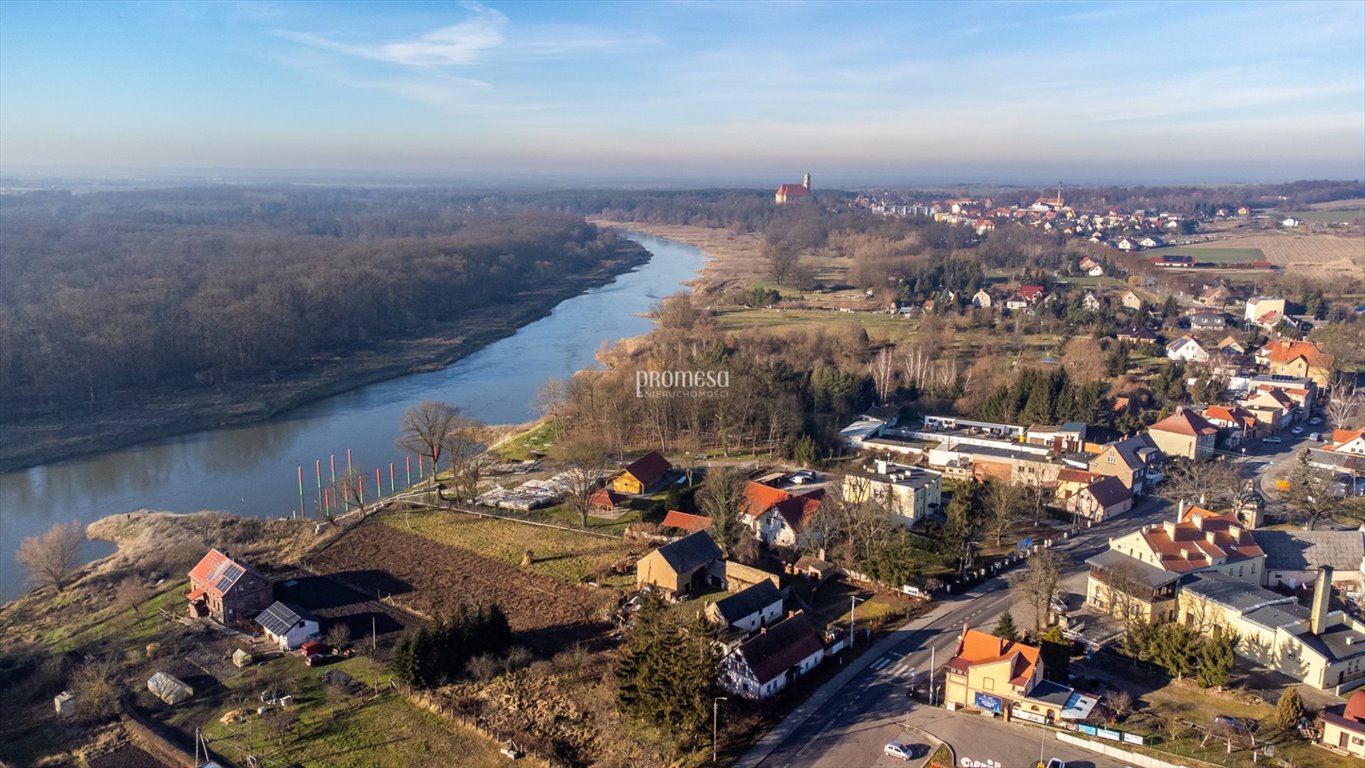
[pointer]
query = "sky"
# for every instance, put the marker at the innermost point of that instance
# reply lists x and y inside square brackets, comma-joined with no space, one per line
[691,92]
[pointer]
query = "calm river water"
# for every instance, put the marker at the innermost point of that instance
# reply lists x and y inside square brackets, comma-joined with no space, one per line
[253,469]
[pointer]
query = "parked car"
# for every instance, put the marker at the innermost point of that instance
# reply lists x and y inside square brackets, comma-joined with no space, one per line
[1316,437]
[1272,439]
[913,591]
[1056,762]
[1297,430]
[1315,420]
[897,750]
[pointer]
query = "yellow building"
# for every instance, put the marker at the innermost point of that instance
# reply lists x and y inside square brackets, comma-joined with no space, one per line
[1005,679]
[1321,647]
[642,475]
[680,568]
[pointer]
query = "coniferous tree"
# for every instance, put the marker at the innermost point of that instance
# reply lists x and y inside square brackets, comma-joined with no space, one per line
[1004,628]
[1056,653]
[1289,711]
[1216,658]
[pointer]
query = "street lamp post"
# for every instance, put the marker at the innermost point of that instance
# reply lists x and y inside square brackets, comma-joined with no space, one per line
[853,601]
[715,716]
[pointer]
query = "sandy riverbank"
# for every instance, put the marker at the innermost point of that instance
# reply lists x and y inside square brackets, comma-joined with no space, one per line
[733,261]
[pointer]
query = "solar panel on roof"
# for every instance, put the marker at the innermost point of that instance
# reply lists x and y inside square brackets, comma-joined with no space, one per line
[228,577]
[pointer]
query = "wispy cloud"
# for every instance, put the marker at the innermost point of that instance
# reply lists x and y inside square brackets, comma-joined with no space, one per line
[457,44]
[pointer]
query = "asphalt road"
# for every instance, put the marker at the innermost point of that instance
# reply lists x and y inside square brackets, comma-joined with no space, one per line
[853,726]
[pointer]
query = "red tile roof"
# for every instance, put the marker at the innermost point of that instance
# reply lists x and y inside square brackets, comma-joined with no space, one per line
[606,498]
[1287,350]
[792,190]
[796,510]
[689,523]
[1201,539]
[780,647]
[1185,422]
[975,647]
[1233,413]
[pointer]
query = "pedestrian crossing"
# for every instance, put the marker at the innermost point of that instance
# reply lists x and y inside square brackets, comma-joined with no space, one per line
[900,666]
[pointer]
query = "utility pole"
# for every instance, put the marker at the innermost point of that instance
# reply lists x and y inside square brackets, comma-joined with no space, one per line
[933,657]
[374,633]
[715,718]
[853,601]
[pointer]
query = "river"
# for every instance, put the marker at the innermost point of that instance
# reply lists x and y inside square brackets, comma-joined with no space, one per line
[252,470]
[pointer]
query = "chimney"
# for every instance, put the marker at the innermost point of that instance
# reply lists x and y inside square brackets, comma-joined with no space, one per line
[1322,598]
[1181,511]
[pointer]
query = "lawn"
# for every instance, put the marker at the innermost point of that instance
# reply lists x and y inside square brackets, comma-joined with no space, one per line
[563,555]
[1215,255]
[330,728]
[538,439]
[1332,215]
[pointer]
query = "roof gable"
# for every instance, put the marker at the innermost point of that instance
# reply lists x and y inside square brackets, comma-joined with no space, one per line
[280,617]
[780,647]
[690,552]
[1185,422]
[218,574]
[690,523]
[649,469]
[748,601]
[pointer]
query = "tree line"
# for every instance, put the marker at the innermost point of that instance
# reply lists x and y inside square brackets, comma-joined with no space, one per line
[119,292]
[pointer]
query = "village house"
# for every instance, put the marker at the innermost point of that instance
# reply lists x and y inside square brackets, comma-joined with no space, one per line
[1185,433]
[1091,302]
[1136,460]
[1188,349]
[1302,392]
[1091,267]
[981,299]
[226,590]
[1271,407]
[1207,321]
[1232,345]
[1032,293]
[1343,726]
[1136,336]
[679,569]
[767,663]
[1350,441]
[287,626]
[644,475]
[778,517]
[1016,302]
[1005,678]
[1304,359]
[1215,296]
[1101,500]
[605,500]
[1264,311]
[1072,481]
[1236,425]
[748,609]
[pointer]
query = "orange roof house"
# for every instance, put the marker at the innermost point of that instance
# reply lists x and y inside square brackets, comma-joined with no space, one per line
[227,590]
[1184,433]
[1006,677]
[1200,540]
[977,647]
[1304,359]
[776,516]
[1347,441]
[606,498]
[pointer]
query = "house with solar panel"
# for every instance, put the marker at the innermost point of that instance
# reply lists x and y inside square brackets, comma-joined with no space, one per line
[227,590]
[288,626]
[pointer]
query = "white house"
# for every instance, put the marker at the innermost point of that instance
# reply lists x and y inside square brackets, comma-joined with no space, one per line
[757,605]
[1188,349]
[287,626]
[908,494]
[778,517]
[981,298]
[767,663]
[1091,301]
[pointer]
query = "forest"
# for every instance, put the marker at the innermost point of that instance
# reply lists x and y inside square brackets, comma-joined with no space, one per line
[111,293]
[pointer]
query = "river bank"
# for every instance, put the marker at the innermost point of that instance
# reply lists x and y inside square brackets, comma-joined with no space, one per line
[155,414]
[733,260]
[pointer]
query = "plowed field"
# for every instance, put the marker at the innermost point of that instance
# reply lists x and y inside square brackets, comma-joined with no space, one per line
[547,614]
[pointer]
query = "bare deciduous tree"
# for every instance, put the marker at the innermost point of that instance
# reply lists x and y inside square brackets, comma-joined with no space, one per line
[1342,408]
[425,430]
[1210,484]
[721,498]
[883,374]
[465,453]
[1038,584]
[130,594]
[96,690]
[1003,500]
[54,557]
[585,463]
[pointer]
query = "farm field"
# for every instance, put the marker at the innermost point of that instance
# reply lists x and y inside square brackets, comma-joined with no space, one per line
[427,576]
[562,555]
[1316,257]
[1331,215]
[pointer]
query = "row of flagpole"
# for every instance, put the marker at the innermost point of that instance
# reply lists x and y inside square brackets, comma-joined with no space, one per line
[325,498]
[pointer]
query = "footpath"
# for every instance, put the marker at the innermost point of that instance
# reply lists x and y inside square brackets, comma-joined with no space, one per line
[803,712]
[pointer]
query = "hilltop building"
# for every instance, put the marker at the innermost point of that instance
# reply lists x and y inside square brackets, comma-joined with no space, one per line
[791,192]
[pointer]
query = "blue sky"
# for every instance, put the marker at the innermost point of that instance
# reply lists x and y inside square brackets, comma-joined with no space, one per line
[705,91]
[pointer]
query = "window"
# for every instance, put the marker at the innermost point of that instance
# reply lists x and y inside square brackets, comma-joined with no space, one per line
[988,683]
[1110,460]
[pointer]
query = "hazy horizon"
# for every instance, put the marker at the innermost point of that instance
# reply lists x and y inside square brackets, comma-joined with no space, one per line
[689,94]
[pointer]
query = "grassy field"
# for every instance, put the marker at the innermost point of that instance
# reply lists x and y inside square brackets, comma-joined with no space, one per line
[1331,215]
[539,439]
[1217,255]
[330,728]
[1316,257]
[562,555]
